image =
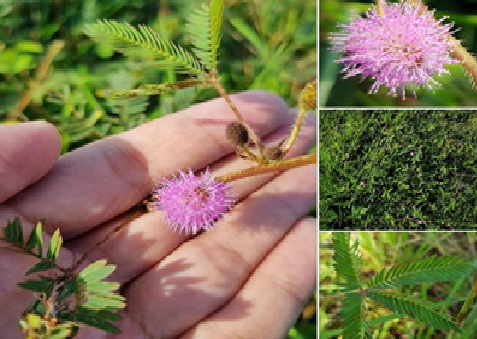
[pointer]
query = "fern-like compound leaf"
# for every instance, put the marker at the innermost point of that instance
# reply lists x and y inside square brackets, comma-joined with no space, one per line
[204,27]
[414,309]
[346,259]
[136,41]
[432,269]
[354,317]
[153,89]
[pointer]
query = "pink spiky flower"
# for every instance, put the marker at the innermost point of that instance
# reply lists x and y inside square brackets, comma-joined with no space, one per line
[406,47]
[192,203]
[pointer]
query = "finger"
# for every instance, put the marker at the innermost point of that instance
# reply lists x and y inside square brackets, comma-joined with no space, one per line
[204,273]
[99,181]
[271,300]
[27,152]
[146,240]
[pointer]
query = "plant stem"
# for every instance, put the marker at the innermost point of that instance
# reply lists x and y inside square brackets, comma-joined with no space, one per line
[296,129]
[467,303]
[273,167]
[339,295]
[19,249]
[218,86]
[136,211]
[41,73]
[379,7]
[467,60]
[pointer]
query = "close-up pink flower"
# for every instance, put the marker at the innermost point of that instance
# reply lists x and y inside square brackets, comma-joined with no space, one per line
[404,48]
[192,203]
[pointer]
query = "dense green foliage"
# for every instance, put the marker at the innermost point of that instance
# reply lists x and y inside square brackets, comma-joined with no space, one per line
[456,89]
[389,169]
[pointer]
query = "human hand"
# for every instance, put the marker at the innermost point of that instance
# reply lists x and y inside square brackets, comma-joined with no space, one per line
[247,278]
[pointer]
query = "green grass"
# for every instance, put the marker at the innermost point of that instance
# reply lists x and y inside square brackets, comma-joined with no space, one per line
[383,249]
[398,169]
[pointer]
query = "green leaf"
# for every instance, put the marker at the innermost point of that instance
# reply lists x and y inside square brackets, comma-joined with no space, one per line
[432,269]
[136,41]
[152,89]
[354,317]
[252,36]
[101,319]
[204,27]
[104,301]
[34,238]
[414,309]
[41,266]
[346,259]
[13,232]
[42,285]
[96,271]
[55,246]
[64,330]
[70,287]
[29,46]
[102,286]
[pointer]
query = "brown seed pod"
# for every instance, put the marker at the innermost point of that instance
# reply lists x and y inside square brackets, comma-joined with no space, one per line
[273,153]
[237,134]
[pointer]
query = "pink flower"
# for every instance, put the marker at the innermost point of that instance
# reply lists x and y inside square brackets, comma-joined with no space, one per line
[402,48]
[192,203]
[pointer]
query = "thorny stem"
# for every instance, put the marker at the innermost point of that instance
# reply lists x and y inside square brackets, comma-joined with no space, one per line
[256,140]
[273,167]
[468,60]
[135,212]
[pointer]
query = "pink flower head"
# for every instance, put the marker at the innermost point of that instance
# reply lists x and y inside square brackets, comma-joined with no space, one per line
[192,203]
[405,47]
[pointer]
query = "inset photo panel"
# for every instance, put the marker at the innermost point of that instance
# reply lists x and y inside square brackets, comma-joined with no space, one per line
[399,170]
[408,53]
[398,285]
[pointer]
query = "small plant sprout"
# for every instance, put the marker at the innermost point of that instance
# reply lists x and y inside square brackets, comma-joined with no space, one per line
[192,202]
[65,297]
[399,46]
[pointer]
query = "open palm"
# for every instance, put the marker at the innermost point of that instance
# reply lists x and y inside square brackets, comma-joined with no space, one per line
[248,278]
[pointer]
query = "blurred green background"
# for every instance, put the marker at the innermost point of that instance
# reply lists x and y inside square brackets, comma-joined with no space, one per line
[456,90]
[266,45]
[382,250]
